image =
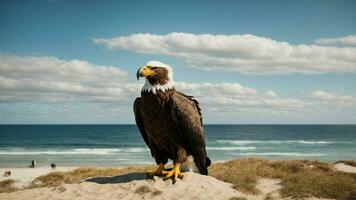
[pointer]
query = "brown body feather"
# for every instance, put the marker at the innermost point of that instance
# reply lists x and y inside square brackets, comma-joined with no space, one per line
[170,122]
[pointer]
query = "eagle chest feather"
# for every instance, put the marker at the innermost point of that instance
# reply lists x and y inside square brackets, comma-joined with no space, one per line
[159,125]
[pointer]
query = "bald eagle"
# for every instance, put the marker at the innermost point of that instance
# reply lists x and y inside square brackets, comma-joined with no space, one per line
[170,122]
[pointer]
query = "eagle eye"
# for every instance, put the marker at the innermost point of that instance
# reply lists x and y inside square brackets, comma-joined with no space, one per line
[154,68]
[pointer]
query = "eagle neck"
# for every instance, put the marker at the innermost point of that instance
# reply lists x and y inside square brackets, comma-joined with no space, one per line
[159,96]
[154,88]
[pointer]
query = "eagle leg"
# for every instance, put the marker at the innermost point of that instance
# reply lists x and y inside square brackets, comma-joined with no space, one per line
[158,171]
[174,172]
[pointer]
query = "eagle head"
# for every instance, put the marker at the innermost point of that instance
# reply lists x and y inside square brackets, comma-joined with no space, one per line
[159,76]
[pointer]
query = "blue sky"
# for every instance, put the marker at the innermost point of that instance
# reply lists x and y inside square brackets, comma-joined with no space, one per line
[65,29]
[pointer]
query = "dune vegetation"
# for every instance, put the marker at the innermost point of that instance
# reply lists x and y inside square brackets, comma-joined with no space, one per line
[347,162]
[80,174]
[299,178]
[7,185]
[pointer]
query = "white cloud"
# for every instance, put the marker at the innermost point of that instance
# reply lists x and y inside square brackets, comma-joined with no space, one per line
[246,54]
[336,99]
[347,40]
[234,103]
[50,79]
[52,68]
[45,88]
[233,96]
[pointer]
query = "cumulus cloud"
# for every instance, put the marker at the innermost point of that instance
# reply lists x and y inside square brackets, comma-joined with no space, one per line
[232,101]
[333,98]
[233,96]
[246,54]
[76,90]
[13,66]
[50,79]
[347,41]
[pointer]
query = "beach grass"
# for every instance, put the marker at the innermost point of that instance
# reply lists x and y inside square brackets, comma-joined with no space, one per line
[299,178]
[347,162]
[7,185]
[80,174]
[238,198]
[322,184]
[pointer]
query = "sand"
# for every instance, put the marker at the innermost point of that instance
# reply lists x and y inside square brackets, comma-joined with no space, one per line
[24,176]
[134,186]
[137,186]
[345,168]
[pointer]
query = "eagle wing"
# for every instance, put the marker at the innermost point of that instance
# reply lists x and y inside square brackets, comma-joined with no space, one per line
[138,119]
[188,119]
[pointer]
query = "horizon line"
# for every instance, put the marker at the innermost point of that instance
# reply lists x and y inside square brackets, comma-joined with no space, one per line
[130,124]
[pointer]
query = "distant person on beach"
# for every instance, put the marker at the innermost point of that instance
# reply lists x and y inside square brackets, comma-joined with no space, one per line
[53,166]
[7,173]
[33,164]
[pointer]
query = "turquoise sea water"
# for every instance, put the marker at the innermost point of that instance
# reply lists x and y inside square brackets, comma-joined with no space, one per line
[114,145]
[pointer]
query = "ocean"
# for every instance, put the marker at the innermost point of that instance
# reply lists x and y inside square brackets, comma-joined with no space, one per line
[117,145]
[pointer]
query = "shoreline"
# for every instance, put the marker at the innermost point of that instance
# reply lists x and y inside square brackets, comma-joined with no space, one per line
[152,163]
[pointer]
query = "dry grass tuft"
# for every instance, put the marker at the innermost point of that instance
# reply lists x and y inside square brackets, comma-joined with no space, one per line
[58,178]
[157,192]
[314,183]
[300,178]
[269,197]
[238,198]
[142,190]
[241,173]
[7,185]
[347,162]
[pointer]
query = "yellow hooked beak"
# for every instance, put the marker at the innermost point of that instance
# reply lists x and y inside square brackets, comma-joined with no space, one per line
[144,72]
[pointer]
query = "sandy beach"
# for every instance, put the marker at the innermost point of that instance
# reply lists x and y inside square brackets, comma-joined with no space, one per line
[24,176]
[192,186]
[136,185]
[345,168]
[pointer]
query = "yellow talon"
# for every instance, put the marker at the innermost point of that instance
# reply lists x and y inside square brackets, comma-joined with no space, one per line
[175,171]
[158,170]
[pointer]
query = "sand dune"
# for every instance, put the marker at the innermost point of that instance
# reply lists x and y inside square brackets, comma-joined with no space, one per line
[138,186]
[134,186]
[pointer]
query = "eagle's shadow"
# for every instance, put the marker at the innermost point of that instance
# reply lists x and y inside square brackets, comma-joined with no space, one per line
[123,178]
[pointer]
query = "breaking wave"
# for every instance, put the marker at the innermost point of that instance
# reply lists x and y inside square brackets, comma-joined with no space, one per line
[230,148]
[244,142]
[280,154]
[79,151]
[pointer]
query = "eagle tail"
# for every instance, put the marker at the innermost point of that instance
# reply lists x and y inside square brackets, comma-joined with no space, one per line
[203,169]
[208,161]
[203,164]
